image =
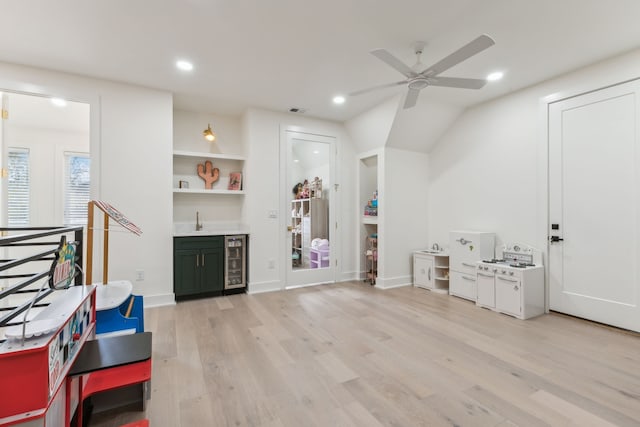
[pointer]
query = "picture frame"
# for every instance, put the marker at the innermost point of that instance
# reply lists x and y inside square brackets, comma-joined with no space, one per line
[183,184]
[235,181]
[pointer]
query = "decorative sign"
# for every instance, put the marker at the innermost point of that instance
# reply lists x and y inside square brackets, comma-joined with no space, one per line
[118,217]
[55,363]
[63,269]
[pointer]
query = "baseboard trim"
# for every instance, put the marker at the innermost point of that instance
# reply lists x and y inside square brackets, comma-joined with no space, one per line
[393,282]
[349,275]
[261,287]
[159,300]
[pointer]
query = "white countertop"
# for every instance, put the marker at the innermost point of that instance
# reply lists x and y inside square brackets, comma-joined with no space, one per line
[431,252]
[187,229]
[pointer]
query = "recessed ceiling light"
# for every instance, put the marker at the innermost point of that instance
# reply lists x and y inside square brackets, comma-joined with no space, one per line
[495,76]
[59,102]
[184,65]
[295,160]
[316,152]
[338,99]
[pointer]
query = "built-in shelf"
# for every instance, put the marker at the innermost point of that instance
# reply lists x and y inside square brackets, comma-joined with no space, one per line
[181,153]
[367,219]
[185,165]
[201,191]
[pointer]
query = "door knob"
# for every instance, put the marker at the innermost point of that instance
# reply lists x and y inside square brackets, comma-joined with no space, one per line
[555,239]
[290,228]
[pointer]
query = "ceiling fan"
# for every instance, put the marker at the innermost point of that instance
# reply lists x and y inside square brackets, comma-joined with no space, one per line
[417,80]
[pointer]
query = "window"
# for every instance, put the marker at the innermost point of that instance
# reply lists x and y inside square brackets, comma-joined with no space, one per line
[18,193]
[76,188]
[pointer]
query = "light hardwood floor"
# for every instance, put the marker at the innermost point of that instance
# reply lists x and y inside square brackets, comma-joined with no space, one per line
[351,355]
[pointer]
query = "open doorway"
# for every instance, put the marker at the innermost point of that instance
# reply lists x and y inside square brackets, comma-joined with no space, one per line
[46,161]
[46,173]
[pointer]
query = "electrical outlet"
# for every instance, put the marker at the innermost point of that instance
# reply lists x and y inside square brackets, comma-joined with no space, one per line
[139,275]
[271,264]
[273,214]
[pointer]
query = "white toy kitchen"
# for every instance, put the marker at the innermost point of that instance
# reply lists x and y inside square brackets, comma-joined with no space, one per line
[513,283]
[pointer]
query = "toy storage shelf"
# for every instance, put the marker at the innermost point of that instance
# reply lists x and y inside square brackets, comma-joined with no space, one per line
[368,219]
[308,221]
[319,258]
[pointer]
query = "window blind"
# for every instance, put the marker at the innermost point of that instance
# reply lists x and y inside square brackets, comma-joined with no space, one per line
[18,191]
[76,188]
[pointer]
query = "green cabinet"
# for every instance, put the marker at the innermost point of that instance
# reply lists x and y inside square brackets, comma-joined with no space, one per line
[198,266]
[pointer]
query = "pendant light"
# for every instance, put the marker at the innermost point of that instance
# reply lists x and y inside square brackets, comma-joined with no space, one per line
[208,134]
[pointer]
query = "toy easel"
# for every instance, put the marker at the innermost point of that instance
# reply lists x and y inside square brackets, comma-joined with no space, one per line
[112,311]
[109,212]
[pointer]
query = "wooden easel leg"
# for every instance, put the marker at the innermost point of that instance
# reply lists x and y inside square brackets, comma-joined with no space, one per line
[105,251]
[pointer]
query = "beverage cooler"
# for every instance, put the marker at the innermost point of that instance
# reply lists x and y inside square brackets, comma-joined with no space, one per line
[235,270]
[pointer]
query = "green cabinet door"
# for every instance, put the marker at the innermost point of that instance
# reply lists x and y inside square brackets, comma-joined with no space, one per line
[212,270]
[186,272]
[198,266]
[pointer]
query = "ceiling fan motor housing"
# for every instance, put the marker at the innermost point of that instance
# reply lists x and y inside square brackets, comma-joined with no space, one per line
[418,83]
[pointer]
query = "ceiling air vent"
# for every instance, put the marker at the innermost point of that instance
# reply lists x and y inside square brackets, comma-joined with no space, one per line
[297,110]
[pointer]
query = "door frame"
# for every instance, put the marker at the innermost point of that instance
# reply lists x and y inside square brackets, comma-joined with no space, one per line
[284,203]
[595,82]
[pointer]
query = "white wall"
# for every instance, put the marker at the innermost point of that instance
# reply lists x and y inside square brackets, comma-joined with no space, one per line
[404,204]
[130,134]
[420,127]
[262,138]
[488,172]
[188,127]
[370,130]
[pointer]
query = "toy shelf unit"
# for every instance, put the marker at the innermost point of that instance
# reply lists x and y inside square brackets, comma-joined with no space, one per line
[309,221]
[47,316]
[319,256]
[431,270]
[192,171]
[370,166]
[371,259]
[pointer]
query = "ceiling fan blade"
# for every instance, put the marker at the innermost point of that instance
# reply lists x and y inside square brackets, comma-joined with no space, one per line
[476,46]
[359,92]
[411,98]
[393,62]
[457,82]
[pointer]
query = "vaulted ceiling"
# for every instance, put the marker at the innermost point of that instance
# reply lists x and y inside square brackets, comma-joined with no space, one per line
[279,54]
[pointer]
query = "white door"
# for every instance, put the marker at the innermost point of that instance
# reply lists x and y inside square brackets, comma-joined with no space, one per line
[594,197]
[311,246]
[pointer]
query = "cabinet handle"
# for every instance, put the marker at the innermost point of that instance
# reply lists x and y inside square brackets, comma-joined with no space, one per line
[463,241]
[198,260]
[468,265]
[429,273]
[507,280]
[485,275]
[203,260]
[469,278]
